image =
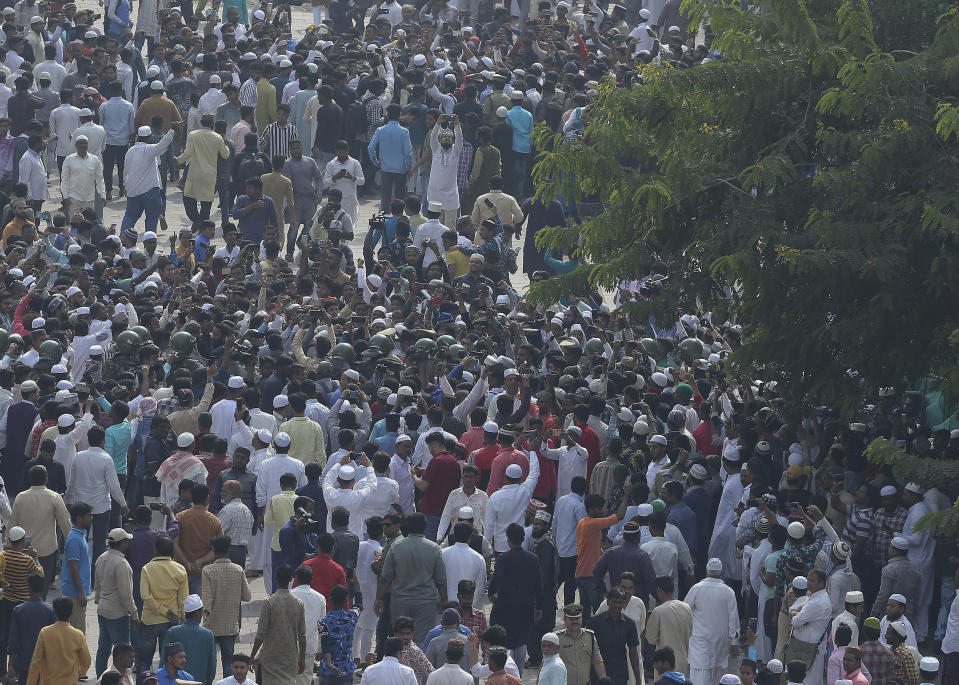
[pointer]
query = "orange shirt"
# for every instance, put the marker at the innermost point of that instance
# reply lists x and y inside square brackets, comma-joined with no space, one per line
[589,543]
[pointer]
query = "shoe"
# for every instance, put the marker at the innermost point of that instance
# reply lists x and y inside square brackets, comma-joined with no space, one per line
[123,191]
[289,256]
[163,225]
[109,196]
[84,677]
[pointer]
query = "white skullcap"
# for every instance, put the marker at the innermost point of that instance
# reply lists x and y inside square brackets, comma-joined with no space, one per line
[930,664]
[144,131]
[900,628]
[284,63]
[900,543]
[403,437]
[156,85]
[282,440]
[280,401]
[641,428]
[714,565]
[38,322]
[800,583]
[346,473]
[854,597]
[730,679]
[236,382]
[73,290]
[913,487]
[58,368]
[95,350]
[625,414]
[501,112]
[490,427]
[644,509]
[888,491]
[192,603]
[465,513]
[64,384]
[551,638]
[419,60]
[796,530]
[659,378]
[17,534]
[215,79]
[83,311]
[898,597]
[405,391]
[658,440]
[514,471]
[265,436]
[774,666]
[65,420]
[184,439]
[352,375]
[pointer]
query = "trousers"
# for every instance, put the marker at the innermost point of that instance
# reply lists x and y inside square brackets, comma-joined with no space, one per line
[150,202]
[113,155]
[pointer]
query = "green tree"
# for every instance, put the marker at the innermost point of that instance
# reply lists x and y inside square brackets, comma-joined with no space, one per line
[806,183]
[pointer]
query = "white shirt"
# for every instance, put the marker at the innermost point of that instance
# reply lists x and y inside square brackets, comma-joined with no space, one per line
[553,671]
[458,499]
[715,623]
[813,619]
[910,632]
[96,138]
[268,478]
[353,499]
[389,671]
[224,415]
[93,479]
[950,643]
[431,229]
[368,552]
[508,505]
[64,120]
[67,442]
[654,468]
[56,71]
[664,556]
[141,173]
[82,178]
[846,619]
[449,674]
[400,472]
[572,462]
[421,453]
[568,512]
[464,563]
[211,99]
[382,499]
[34,176]
[314,606]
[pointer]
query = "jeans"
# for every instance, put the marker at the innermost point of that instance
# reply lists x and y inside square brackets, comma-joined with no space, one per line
[226,201]
[196,216]
[113,154]
[100,528]
[519,656]
[150,202]
[391,185]
[112,631]
[149,637]
[432,526]
[947,590]
[567,578]
[590,596]
[302,221]
[520,174]
[226,643]
[49,566]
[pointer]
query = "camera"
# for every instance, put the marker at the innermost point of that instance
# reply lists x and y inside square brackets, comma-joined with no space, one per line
[309,526]
[378,221]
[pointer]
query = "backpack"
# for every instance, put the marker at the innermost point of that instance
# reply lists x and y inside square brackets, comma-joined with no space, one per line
[253,166]
[355,121]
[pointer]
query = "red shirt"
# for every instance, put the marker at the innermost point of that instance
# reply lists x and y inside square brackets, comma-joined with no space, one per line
[443,474]
[483,460]
[326,574]
[214,466]
[506,456]
[472,439]
[590,442]
[703,435]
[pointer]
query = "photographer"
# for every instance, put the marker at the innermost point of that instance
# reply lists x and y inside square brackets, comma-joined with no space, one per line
[298,535]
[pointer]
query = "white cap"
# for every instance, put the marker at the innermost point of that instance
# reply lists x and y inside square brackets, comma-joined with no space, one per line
[284,63]
[192,603]
[90,34]
[64,384]
[419,60]
[551,638]
[156,86]
[930,664]
[900,543]
[913,487]
[65,420]
[405,391]
[888,491]
[800,583]
[85,311]
[259,15]
[898,597]
[699,472]
[282,440]
[95,350]
[17,533]
[714,565]
[900,628]
[490,427]
[575,430]
[854,597]
[403,437]
[774,666]
[265,436]
[796,530]
[280,401]
[659,440]
[514,471]
[184,439]
[38,322]
[73,290]
[465,513]
[625,414]
[215,79]
[641,427]
[28,386]
[236,382]
[144,131]
[35,18]
[346,473]
[16,273]
[659,378]
[435,206]
[730,679]
[501,112]
[149,235]
[352,374]
[58,368]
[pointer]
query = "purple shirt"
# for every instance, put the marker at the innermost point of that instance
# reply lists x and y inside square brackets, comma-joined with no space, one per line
[140,551]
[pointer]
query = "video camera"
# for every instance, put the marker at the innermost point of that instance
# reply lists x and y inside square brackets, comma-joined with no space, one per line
[309,525]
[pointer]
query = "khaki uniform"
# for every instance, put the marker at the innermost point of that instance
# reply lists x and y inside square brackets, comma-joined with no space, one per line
[579,654]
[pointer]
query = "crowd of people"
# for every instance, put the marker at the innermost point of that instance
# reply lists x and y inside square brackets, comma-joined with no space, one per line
[414,458]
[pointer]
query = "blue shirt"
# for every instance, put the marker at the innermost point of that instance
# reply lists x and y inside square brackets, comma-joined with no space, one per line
[251,226]
[28,619]
[439,629]
[163,678]
[293,548]
[521,122]
[116,117]
[684,518]
[117,443]
[75,548]
[336,638]
[391,147]
[200,649]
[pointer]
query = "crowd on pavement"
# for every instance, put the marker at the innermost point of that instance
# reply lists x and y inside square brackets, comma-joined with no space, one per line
[438,480]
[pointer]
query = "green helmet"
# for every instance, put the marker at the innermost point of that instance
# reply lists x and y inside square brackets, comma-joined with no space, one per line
[142,333]
[181,342]
[650,345]
[343,352]
[594,347]
[382,343]
[691,349]
[446,340]
[128,343]
[4,340]
[50,350]
[425,345]
[457,352]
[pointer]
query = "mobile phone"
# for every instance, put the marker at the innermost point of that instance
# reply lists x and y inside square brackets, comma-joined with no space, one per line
[357,320]
[156,506]
[752,625]
[393,274]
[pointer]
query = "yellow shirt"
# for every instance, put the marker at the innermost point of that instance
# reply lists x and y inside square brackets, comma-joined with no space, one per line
[306,436]
[163,586]
[61,652]
[278,513]
[458,263]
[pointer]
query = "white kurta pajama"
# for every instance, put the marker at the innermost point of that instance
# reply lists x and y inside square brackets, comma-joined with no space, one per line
[443,170]
[268,485]
[369,551]
[764,645]
[810,625]
[922,552]
[722,544]
[715,629]
[350,203]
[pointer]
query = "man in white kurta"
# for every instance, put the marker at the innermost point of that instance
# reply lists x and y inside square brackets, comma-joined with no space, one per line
[314,606]
[464,563]
[369,551]
[82,177]
[670,624]
[922,552]
[268,485]
[572,458]
[345,173]
[722,544]
[715,626]
[341,488]
[447,148]
[810,624]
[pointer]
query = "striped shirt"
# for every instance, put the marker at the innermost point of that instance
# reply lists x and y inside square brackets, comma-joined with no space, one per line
[15,568]
[374,116]
[858,523]
[885,526]
[276,138]
[248,94]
